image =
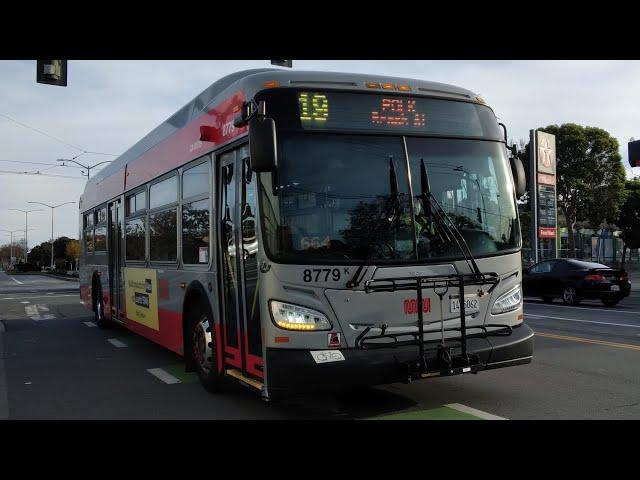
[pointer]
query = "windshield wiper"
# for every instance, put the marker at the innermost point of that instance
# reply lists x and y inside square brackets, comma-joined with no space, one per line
[443,221]
[391,210]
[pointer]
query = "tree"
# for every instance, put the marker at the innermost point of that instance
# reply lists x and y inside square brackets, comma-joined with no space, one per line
[629,217]
[73,250]
[590,176]
[40,255]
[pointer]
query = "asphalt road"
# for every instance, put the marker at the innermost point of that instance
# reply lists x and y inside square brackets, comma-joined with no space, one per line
[55,364]
[35,283]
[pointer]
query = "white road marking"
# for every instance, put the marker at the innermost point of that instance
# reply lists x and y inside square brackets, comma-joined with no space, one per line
[583,308]
[474,412]
[17,281]
[116,343]
[582,321]
[36,296]
[166,377]
[90,324]
[34,312]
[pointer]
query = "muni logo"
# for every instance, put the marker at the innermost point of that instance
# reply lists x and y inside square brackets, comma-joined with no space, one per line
[411,306]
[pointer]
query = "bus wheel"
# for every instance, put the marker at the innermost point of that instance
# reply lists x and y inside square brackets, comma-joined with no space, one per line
[203,349]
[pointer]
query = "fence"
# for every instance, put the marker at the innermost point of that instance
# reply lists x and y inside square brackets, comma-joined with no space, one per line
[590,248]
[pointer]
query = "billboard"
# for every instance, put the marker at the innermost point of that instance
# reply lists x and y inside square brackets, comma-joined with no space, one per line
[543,201]
[634,153]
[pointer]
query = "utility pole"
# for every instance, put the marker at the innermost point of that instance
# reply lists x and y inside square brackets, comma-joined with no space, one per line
[26,241]
[11,232]
[52,207]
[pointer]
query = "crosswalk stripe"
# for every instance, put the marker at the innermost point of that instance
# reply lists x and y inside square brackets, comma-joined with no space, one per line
[163,375]
[116,343]
[473,411]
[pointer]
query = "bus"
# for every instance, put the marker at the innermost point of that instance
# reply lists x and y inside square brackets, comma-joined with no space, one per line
[301,231]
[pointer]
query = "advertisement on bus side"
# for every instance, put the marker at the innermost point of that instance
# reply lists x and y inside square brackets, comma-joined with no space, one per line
[141,290]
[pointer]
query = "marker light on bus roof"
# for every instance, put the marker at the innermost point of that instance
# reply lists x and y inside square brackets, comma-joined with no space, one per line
[372,85]
[404,88]
[295,317]
[271,84]
[388,86]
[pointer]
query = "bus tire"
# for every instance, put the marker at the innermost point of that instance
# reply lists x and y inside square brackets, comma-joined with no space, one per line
[203,348]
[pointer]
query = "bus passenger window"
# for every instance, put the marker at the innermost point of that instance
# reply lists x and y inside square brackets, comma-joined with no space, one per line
[135,239]
[195,181]
[163,193]
[88,240]
[195,232]
[163,236]
[100,241]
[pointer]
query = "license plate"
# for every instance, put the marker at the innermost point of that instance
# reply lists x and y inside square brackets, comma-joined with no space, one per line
[615,288]
[471,304]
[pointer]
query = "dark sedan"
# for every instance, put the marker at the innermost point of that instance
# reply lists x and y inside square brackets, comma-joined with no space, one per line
[575,280]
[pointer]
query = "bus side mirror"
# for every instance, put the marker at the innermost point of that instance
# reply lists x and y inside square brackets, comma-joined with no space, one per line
[519,178]
[262,144]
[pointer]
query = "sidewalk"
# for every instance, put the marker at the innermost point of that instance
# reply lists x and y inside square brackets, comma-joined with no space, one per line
[634,278]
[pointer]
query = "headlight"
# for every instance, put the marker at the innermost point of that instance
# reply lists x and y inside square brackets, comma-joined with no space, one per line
[293,317]
[508,302]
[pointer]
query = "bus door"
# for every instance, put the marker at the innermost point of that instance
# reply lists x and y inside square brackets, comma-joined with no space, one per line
[115,260]
[237,210]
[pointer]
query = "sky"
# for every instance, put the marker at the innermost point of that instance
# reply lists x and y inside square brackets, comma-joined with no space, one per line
[109,105]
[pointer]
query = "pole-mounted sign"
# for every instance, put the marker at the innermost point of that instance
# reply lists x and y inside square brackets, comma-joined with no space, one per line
[543,194]
[634,153]
[282,63]
[52,72]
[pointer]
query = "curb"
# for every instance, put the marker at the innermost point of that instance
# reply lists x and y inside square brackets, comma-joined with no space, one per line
[73,279]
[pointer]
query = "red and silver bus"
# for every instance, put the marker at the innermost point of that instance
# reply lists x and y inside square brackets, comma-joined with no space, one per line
[297,231]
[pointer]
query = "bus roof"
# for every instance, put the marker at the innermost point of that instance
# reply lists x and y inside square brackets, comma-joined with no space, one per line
[251,82]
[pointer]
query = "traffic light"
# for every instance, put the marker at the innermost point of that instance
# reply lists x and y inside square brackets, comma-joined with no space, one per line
[52,72]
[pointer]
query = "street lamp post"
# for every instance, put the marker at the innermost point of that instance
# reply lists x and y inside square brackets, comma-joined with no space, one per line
[11,232]
[52,207]
[87,167]
[26,241]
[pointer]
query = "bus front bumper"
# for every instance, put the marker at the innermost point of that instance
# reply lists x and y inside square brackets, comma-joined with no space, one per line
[290,371]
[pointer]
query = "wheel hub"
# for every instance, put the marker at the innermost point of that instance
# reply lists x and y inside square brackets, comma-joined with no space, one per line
[201,339]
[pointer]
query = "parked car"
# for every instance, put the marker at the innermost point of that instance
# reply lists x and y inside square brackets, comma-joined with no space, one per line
[575,280]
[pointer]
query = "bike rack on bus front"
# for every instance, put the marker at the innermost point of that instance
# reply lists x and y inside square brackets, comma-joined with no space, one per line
[447,364]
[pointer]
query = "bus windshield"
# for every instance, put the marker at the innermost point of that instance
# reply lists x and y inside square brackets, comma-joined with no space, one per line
[343,198]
